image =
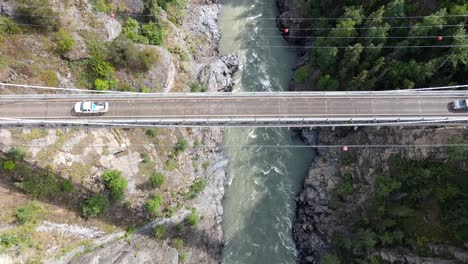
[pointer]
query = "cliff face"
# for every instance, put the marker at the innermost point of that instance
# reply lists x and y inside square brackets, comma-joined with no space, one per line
[80,156]
[317,217]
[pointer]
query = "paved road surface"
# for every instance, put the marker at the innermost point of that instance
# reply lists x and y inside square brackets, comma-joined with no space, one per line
[284,106]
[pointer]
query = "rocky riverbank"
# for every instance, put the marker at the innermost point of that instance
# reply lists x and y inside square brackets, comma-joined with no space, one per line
[191,60]
[319,216]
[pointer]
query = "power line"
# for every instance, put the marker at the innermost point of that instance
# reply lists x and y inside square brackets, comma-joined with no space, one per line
[119,92]
[352,18]
[359,37]
[340,146]
[62,89]
[348,28]
[342,47]
[279,18]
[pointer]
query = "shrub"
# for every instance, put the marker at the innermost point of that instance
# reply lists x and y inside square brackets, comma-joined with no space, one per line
[159,231]
[180,145]
[101,5]
[43,185]
[29,214]
[8,165]
[49,78]
[67,186]
[16,153]
[343,189]
[329,259]
[302,74]
[153,205]
[455,152]
[192,219]
[197,187]
[124,54]
[178,243]
[8,240]
[8,26]
[157,179]
[64,42]
[131,30]
[44,16]
[327,83]
[205,165]
[94,206]
[154,33]
[151,132]
[115,183]
[196,87]
[145,89]
[180,227]
[145,158]
[102,72]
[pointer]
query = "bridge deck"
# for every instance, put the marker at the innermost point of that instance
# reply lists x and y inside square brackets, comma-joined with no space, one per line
[203,108]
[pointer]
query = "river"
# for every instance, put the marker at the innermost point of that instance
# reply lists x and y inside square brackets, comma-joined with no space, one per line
[259,204]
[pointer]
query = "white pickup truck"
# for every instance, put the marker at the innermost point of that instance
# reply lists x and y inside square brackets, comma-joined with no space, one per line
[88,107]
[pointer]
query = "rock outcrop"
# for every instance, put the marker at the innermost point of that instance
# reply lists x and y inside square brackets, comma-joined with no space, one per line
[218,75]
[316,216]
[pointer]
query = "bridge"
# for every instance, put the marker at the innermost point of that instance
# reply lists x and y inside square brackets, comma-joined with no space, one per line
[276,109]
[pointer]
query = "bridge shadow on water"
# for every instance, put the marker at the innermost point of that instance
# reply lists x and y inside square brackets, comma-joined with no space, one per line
[48,191]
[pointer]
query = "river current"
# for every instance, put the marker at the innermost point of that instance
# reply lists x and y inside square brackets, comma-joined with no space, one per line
[259,204]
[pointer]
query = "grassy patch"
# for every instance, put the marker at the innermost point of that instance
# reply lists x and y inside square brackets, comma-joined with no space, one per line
[35,133]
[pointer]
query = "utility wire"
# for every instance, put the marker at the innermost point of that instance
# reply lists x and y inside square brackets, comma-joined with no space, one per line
[363,37]
[352,18]
[340,146]
[342,47]
[348,28]
[286,18]
[119,92]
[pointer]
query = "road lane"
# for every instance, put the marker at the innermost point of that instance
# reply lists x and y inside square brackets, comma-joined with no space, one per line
[234,107]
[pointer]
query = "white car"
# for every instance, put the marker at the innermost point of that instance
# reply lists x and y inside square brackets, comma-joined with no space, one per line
[89,107]
[460,104]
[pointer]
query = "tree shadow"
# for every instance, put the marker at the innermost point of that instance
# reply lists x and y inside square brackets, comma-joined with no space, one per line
[47,186]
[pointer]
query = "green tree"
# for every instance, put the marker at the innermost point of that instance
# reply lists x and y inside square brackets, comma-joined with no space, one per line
[329,259]
[154,33]
[459,54]
[115,183]
[96,205]
[386,185]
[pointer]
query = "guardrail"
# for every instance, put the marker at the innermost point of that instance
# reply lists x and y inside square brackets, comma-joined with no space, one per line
[242,122]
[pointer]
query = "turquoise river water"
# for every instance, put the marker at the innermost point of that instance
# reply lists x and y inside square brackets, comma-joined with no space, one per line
[259,205]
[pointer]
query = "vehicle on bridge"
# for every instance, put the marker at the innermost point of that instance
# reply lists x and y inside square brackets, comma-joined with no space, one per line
[90,108]
[459,105]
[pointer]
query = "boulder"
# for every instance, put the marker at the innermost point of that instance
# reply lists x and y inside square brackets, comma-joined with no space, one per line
[218,75]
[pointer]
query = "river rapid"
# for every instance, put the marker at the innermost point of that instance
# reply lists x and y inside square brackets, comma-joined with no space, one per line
[259,204]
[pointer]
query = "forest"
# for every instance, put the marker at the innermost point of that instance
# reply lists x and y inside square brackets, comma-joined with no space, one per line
[384,45]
